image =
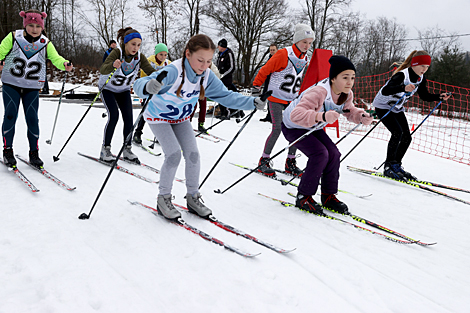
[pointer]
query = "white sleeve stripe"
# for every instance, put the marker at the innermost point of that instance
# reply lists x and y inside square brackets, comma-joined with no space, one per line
[232,64]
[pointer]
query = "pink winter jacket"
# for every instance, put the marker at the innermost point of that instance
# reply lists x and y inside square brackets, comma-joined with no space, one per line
[305,112]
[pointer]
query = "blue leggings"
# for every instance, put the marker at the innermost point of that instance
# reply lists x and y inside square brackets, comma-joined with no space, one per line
[11,102]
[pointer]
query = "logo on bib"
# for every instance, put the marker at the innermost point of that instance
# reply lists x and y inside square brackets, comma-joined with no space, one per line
[31,47]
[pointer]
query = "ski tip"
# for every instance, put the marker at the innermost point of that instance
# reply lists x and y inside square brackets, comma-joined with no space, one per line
[250,255]
[71,188]
[425,244]
[284,251]
[218,191]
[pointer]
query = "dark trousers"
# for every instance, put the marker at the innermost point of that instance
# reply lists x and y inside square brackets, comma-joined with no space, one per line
[11,101]
[115,102]
[323,160]
[140,125]
[230,86]
[202,110]
[400,138]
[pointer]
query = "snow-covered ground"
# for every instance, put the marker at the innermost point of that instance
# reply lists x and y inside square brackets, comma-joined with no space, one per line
[125,259]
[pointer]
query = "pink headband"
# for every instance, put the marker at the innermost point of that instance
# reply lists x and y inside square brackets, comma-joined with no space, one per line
[421,60]
[33,18]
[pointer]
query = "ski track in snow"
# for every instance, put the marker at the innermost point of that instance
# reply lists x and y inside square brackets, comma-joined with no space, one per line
[126,259]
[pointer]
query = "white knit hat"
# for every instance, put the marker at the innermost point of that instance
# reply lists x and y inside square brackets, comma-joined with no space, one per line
[303,31]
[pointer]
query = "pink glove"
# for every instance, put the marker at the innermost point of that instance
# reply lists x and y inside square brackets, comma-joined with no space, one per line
[366,119]
[330,116]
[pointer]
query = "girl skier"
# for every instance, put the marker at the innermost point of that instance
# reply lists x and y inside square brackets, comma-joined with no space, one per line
[321,103]
[407,79]
[188,79]
[116,94]
[286,68]
[23,56]
[157,61]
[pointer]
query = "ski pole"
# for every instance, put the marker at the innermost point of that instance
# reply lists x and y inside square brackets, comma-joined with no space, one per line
[349,132]
[56,158]
[153,142]
[49,141]
[241,120]
[85,216]
[390,110]
[448,93]
[319,126]
[263,98]
[289,181]
[232,114]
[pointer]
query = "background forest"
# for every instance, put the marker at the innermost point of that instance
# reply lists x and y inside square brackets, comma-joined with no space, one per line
[81,30]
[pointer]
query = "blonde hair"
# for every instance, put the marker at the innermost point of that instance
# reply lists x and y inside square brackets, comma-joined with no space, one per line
[196,42]
[407,62]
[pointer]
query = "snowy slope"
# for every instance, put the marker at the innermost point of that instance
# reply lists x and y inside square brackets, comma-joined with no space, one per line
[125,259]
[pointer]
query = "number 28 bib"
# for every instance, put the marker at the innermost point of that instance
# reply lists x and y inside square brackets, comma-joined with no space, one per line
[286,83]
[168,107]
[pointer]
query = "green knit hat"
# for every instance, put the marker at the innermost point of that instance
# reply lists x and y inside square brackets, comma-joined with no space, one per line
[160,47]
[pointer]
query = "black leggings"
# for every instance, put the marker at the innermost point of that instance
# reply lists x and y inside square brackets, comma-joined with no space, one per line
[113,103]
[400,139]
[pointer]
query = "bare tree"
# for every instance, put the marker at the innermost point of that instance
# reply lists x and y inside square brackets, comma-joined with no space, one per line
[346,36]
[250,23]
[192,12]
[104,21]
[10,9]
[321,15]
[383,43]
[159,11]
[433,40]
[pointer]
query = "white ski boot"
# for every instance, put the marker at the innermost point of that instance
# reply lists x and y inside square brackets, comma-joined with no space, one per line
[166,208]
[106,154]
[195,205]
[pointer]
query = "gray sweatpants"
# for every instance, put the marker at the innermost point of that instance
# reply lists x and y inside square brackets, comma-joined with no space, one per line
[276,110]
[173,138]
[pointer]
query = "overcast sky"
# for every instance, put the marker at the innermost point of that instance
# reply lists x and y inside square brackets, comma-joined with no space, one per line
[450,15]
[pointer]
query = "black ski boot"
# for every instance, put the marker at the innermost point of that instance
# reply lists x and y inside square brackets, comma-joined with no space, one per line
[266,119]
[407,175]
[34,159]
[9,157]
[291,167]
[390,170]
[332,203]
[137,137]
[307,203]
[200,128]
[265,168]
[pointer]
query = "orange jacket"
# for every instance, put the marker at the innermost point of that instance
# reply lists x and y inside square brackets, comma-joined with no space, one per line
[276,63]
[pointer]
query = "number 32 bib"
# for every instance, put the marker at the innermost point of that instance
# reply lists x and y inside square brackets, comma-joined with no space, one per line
[25,63]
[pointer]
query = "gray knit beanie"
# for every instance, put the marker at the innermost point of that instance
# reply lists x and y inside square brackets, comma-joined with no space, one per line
[303,31]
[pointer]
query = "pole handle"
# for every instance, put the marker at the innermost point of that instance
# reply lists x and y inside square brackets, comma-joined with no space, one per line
[266,95]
